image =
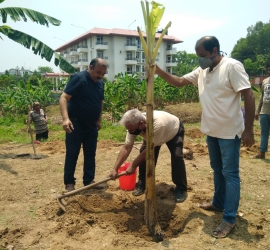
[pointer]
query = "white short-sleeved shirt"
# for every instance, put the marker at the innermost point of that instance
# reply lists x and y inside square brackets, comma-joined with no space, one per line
[165,126]
[220,98]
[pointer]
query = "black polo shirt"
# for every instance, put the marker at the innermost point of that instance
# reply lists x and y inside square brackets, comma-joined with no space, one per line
[86,102]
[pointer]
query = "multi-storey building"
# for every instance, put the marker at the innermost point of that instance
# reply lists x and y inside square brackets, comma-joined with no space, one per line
[121,48]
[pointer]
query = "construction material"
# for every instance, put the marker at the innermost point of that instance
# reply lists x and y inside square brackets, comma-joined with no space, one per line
[60,199]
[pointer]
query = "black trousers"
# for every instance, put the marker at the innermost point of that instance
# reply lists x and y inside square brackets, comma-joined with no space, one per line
[178,167]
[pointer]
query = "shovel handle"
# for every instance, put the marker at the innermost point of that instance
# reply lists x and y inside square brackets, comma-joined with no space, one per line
[71,193]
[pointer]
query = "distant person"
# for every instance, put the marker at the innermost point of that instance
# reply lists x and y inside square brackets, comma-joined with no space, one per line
[81,108]
[40,120]
[167,129]
[221,81]
[263,109]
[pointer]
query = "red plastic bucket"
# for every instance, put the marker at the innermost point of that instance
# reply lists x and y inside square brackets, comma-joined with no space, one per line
[127,182]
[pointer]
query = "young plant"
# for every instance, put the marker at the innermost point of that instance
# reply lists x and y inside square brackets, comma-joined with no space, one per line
[151,20]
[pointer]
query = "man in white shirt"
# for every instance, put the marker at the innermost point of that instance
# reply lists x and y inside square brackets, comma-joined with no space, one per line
[168,129]
[221,82]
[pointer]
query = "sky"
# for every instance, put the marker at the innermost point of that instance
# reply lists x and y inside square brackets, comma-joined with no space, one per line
[227,20]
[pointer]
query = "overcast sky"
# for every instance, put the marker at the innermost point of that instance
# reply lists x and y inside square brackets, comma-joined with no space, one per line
[227,20]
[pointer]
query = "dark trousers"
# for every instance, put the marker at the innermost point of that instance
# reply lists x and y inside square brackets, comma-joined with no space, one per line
[43,135]
[175,146]
[87,137]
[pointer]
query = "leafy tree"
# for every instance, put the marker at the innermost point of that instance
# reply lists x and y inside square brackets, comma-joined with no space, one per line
[254,50]
[185,63]
[44,69]
[38,47]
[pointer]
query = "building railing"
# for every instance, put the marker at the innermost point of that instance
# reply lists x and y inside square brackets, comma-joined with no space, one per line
[101,43]
[73,49]
[74,62]
[82,46]
[131,44]
[170,61]
[130,59]
[131,72]
[104,57]
[82,60]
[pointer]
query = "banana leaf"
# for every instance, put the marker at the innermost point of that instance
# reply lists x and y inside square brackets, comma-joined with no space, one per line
[16,14]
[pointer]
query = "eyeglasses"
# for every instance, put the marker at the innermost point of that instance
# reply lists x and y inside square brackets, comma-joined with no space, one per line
[131,132]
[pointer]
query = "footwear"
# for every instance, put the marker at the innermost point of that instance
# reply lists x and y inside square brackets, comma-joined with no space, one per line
[223,230]
[139,188]
[99,186]
[180,195]
[70,187]
[261,155]
[210,207]
[36,142]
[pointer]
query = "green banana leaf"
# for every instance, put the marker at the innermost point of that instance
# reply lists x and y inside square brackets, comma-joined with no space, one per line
[37,47]
[30,42]
[16,14]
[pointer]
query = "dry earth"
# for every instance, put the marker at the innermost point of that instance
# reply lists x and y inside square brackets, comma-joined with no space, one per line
[111,218]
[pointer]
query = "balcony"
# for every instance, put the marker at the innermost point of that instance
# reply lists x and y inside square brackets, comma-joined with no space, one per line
[101,45]
[83,62]
[171,51]
[73,52]
[131,46]
[105,58]
[140,60]
[130,60]
[131,72]
[82,49]
[66,54]
[171,63]
[74,63]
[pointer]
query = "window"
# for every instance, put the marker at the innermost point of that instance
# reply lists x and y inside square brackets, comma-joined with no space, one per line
[168,59]
[100,53]
[169,70]
[99,39]
[138,42]
[129,69]
[129,55]
[129,41]
[169,46]
[138,68]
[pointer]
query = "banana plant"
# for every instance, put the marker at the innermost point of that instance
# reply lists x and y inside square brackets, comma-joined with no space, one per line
[150,47]
[38,47]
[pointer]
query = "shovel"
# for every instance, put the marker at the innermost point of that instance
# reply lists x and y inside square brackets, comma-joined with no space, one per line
[60,199]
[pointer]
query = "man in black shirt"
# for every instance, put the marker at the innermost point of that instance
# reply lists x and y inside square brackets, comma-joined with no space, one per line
[81,108]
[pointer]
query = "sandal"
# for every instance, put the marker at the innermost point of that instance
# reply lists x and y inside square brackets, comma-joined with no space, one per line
[210,207]
[259,156]
[223,230]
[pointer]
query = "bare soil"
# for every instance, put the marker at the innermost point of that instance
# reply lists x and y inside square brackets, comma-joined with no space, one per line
[112,218]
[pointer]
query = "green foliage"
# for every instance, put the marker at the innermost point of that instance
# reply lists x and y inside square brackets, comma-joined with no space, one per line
[45,69]
[38,47]
[185,63]
[254,50]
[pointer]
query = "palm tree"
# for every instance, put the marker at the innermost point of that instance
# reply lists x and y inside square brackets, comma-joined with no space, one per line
[38,47]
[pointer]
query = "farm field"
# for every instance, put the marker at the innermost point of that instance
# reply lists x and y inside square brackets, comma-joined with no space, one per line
[111,218]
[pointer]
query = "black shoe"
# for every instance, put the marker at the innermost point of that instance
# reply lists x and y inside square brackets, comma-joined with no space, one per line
[139,189]
[180,195]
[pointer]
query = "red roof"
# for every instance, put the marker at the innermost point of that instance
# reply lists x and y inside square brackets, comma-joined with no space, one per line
[113,32]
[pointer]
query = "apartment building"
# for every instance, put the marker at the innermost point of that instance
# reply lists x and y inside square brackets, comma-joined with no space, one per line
[121,48]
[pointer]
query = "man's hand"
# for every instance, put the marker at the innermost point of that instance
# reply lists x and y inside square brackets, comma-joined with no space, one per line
[113,175]
[67,126]
[248,138]
[130,169]
[98,125]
